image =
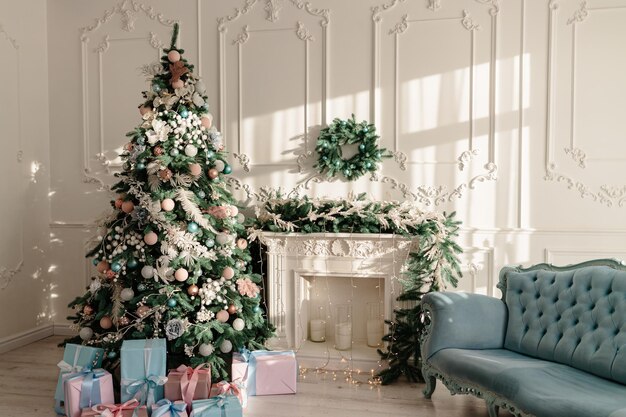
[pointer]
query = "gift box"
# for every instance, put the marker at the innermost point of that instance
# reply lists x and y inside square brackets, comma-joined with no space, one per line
[220,406]
[143,370]
[85,389]
[167,408]
[235,388]
[128,409]
[75,358]
[266,372]
[188,384]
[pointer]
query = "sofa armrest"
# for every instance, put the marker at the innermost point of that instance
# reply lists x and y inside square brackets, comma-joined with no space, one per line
[462,320]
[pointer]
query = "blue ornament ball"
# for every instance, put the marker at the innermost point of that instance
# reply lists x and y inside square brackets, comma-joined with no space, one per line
[183,112]
[338,163]
[171,303]
[368,164]
[227,169]
[210,154]
[201,194]
[141,287]
[95,261]
[197,272]
[209,243]
[112,355]
[140,140]
[192,227]
[156,88]
[347,172]
[257,309]
[361,147]
[365,129]
[140,166]
[174,152]
[116,267]
[324,158]
[132,263]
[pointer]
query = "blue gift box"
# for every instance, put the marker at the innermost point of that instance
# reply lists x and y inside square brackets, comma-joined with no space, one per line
[220,406]
[143,370]
[75,358]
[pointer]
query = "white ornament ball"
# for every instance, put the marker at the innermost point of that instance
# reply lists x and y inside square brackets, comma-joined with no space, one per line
[226,346]
[147,272]
[222,238]
[206,349]
[191,150]
[127,294]
[219,165]
[151,238]
[168,204]
[234,211]
[239,324]
[241,218]
[86,333]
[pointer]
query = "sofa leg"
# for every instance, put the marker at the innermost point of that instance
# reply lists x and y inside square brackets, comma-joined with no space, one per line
[431,382]
[492,408]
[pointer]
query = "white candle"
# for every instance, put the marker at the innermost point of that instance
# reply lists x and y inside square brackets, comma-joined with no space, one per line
[374,332]
[318,330]
[343,336]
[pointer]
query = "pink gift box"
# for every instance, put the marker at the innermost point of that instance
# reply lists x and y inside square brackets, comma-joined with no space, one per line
[188,384]
[267,373]
[73,386]
[126,410]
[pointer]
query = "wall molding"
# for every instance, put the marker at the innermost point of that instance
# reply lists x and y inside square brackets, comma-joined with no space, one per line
[35,334]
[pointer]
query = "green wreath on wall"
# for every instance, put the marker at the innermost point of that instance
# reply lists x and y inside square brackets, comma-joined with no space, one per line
[333,139]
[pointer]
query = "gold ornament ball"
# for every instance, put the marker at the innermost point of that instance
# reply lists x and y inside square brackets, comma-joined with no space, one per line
[222,316]
[195,169]
[213,173]
[193,290]
[128,206]
[228,272]
[106,323]
[142,310]
[232,309]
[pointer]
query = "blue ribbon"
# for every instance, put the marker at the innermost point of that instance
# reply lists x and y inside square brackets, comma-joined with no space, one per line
[250,357]
[166,406]
[143,389]
[90,387]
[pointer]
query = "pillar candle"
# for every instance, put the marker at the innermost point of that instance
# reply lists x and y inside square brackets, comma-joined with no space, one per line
[318,330]
[343,336]
[374,332]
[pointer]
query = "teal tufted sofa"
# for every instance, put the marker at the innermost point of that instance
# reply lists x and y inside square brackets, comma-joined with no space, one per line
[554,346]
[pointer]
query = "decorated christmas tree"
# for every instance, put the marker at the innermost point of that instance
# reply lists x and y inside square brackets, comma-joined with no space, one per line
[172,256]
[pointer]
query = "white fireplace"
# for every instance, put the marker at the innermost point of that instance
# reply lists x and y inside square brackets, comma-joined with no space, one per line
[331,277]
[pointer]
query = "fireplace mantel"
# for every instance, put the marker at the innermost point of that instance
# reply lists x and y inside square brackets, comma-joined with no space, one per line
[295,258]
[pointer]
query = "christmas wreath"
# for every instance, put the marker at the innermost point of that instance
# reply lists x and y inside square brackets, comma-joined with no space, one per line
[333,139]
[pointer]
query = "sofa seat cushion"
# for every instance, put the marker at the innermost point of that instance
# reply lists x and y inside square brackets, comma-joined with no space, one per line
[538,387]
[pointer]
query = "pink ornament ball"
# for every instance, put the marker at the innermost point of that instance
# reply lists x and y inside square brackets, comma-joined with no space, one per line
[213,173]
[128,206]
[106,323]
[228,272]
[195,169]
[118,203]
[234,211]
[178,84]
[142,311]
[168,204]
[144,109]
[102,266]
[173,56]
[222,316]
[181,274]
[207,121]
[242,243]
[151,238]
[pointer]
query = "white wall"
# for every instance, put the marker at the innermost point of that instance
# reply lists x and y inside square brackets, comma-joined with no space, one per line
[510,113]
[26,292]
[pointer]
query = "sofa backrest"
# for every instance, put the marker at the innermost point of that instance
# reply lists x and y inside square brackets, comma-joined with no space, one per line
[573,315]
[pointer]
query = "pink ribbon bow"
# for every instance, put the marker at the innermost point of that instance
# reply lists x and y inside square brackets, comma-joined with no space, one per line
[189,381]
[235,388]
[112,410]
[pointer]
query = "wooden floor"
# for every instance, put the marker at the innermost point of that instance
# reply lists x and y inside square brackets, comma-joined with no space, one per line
[28,377]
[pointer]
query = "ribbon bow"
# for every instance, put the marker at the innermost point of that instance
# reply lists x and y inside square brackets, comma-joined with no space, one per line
[219,401]
[112,410]
[189,381]
[143,389]
[90,387]
[166,406]
[66,367]
[235,388]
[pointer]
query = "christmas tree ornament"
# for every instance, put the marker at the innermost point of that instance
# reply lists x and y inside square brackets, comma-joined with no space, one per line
[192,290]
[241,218]
[116,267]
[206,349]
[118,203]
[128,206]
[228,272]
[219,165]
[213,173]
[142,311]
[174,152]
[173,56]
[195,170]
[127,294]
[242,243]
[232,309]
[191,150]
[168,204]
[209,243]
[147,272]
[141,287]
[112,354]
[181,275]
[227,169]
[106,323]
[206,121]
[143,110]
[86,333]
[140,166]
[192,227]
[110,274]
[132,263]
[234,211]
[156,88]
[102,266]
[151,238]
[239,324]
[178,84]
[171,303]
[123,321]
[201,194]
[87,310]
[184,113]
[222,316]
[157,151]
[223,238]
[95,261]
[226,346]
[166,174]
[210,154]
[256,309]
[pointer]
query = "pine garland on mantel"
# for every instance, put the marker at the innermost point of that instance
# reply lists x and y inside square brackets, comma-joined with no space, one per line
[432,267]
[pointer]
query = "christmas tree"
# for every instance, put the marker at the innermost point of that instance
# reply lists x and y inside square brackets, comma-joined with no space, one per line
[172,256]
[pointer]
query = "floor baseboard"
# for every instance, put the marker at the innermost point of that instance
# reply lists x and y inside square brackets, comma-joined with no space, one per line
[64,330]
[26,337]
